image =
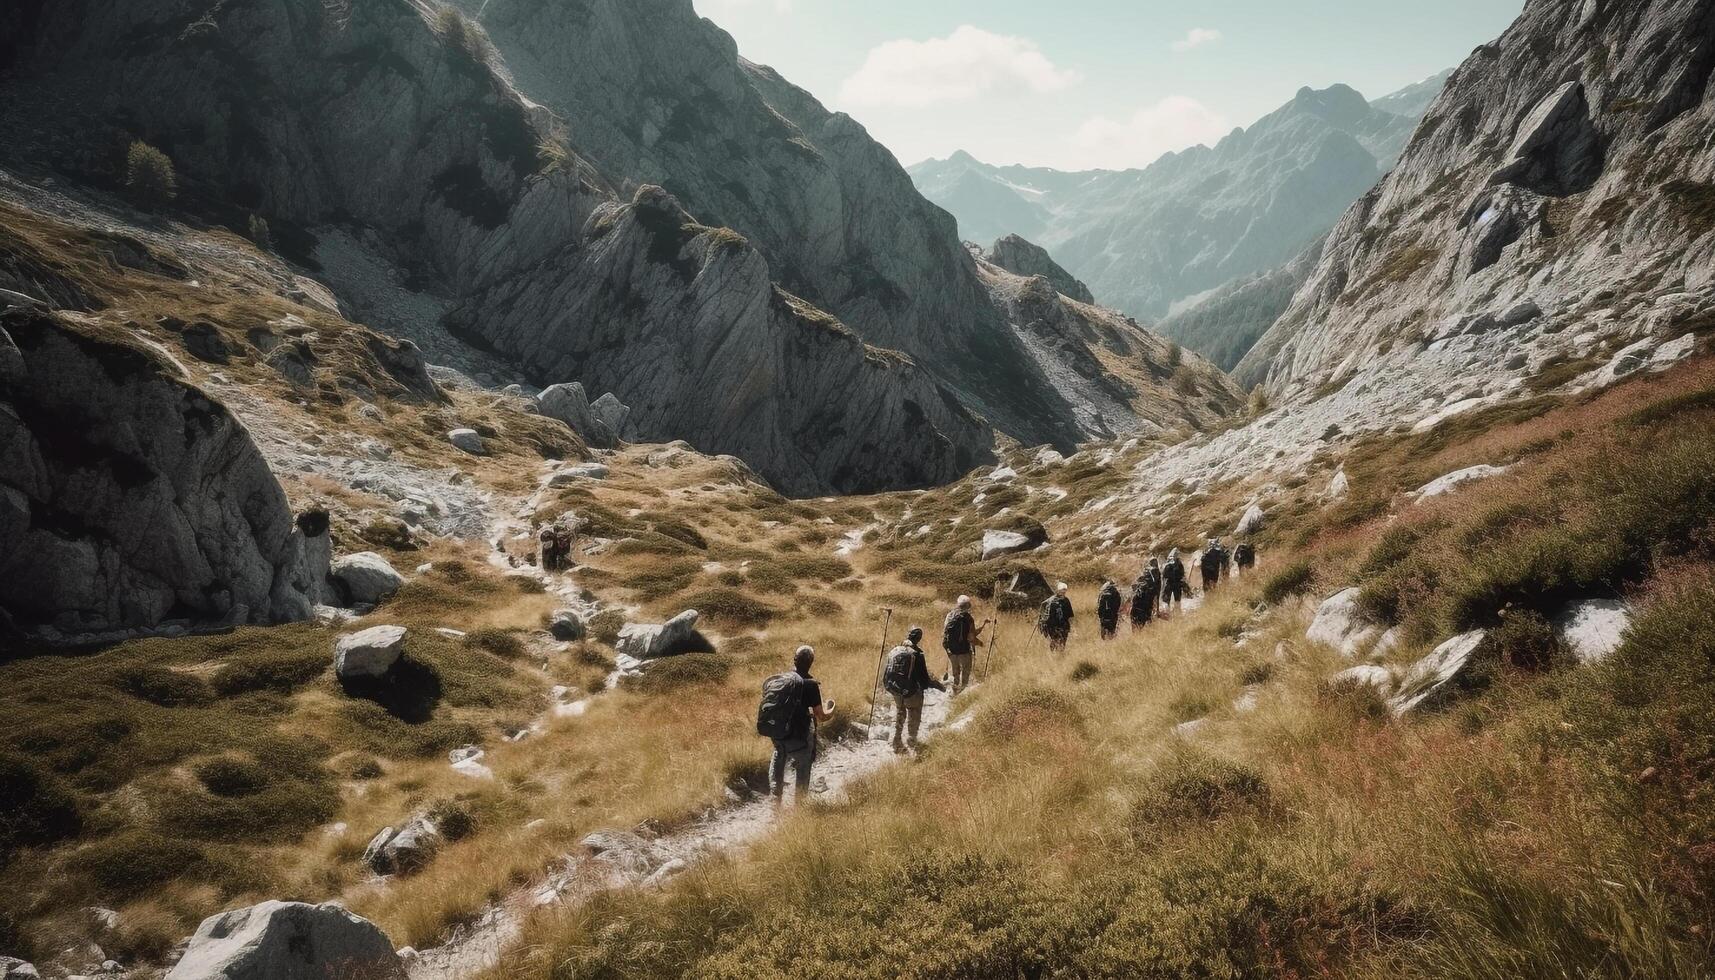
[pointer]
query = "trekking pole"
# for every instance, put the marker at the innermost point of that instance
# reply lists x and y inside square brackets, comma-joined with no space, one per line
[988,662]
[875,692]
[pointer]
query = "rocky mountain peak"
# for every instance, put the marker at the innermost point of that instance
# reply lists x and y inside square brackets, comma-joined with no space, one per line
[1020,257]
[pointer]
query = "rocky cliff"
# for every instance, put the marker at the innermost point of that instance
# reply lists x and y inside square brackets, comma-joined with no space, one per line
[1227,323]
[394,129]
[128,497]
[1023,258]
[1554,203]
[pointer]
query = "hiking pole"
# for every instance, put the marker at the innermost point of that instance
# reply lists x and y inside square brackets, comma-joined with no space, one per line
[988,662]
[875,692]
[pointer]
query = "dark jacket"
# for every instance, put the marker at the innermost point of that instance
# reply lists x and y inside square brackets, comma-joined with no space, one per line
[1173,572]
[1108,604]
[959,633]
[1056,616]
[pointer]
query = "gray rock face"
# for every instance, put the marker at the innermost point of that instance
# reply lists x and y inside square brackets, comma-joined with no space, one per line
[571,405]
[1429,682]
[365,578]
[1443,485]
[1227,323]
[999,543]
[128,496]
[12,968]
[368,653]
[288,941]
[1022,258]
[646,641]
[403,850]
[609,412]
[1561,166]
[1341,624]
[1193,221]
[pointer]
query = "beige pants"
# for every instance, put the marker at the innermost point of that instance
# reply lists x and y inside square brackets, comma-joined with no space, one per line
[907,715]
[961,671]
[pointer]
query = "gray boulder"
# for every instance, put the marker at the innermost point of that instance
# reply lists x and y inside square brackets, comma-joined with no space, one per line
[1372,677]
[288,941]
[1340,623]
[645,641]
[1430,682]
[403,850]
[611,413]
[365,578]
[12,968]
[566,625]
[578,472]
[1453,481]
[570,404]
[368,653]
[468,440]
[1251,523]
[999,543]
[1593,628]
[128,495]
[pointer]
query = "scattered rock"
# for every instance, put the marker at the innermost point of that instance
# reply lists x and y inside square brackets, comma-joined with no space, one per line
[365,578]
[1372,676]
[467,761]
[665,871]
[645,641]
[1338,487]
[1251,523]
[368,653]
[288,941]
[570,404]
[625,851]
[1186,729]
[12,968]
[566,625]
[998,543]
[1002,474]
[405,850]
[609,411]
[1455,480]
[1593,628]
[576,472]
[1429,682]
[1341,624]
[468,440]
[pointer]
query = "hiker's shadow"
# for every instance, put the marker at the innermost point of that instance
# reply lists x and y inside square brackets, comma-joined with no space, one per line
[409,691]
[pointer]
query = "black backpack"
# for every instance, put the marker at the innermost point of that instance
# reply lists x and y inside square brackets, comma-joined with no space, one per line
[782,704]
[1244,554]
[1110,602]
[951,632]
[1175,572]
[1140,594]
[896,673]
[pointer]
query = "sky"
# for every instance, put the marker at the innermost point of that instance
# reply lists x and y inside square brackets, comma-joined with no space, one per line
[1081,84]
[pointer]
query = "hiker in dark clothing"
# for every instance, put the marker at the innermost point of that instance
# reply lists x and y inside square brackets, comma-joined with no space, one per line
[907,677]
[1244,557]
[798,747]
[1108,605]
[1145,593]
[1172,581]
[1215,561]
[1055,622]
[960,635]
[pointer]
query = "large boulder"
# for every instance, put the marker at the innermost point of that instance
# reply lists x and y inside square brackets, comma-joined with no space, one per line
[12,968]
[645,641]
[1430,682]
[128,496]
[566,625]
[368,653]
[1251,523]
[288,941]
[405,849]
[999,543]
[570,404]
[610,412]
[1593,628]
[468,440]
[576,473]
[365,578]
[1454,480]
[1341,624]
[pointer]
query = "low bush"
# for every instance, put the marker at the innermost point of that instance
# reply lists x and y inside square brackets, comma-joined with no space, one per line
[453,818]
[164,687]
[1027,710]
[673,673]
[1083,670]
[35,807]
[505,644]
[1294,579]
[150,174]
[730,608]
[1192,786]
[228,776]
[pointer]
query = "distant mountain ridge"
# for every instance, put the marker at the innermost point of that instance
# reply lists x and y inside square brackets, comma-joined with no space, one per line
[1146,241]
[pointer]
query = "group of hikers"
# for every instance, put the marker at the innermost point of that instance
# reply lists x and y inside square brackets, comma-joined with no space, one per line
[792,704]
[1156,590]
[556,542]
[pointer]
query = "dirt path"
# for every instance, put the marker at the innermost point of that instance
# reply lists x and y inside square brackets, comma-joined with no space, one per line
[619,859]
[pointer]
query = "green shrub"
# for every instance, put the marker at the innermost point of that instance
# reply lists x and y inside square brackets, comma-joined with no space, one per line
[167,688]
[502,643]
[281,671]
[604,626]
[1083,670]
[389,532]
[1292,580]
[1192,786]
[454,819]
[150,174]
[673,673]
[817,568]
[35,807]
[730,607]
[227,776]
[1526,640]
[1027,710]
[135,863]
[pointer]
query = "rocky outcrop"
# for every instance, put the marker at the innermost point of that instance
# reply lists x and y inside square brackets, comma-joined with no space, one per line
[1554,198]
[1340,623]
[997,544]
[365,578]
[288,941]
[1119,378]
[1593,628]
[405,849]
[646,641]
[1023,258]
[1443,485]
[570,404]
[1431,681]
[128,497]
[369,653]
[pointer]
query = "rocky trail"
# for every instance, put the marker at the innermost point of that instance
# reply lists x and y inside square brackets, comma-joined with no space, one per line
[618,859]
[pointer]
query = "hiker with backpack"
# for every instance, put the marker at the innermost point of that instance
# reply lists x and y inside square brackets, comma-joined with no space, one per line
[960,634]
[791,708]
[1215,561]
[1244,557]
[1145,593]
[905,674]
[1172,581]
[1055,620]
[1108,604]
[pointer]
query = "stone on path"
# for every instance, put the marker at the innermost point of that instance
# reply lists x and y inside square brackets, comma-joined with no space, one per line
[566,625]
[288,941]
[365,578]
[368,653]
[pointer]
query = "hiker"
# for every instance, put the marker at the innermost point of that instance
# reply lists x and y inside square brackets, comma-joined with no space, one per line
[1055,621]
[1145,593]
[1108,605]
[960,635]
[906,677]
[1244,557]
[1172,581]
[550,548]
[791,708]
[1215,561]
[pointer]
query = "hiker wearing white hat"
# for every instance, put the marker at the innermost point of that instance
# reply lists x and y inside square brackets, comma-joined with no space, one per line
[960,634]
[1055,620]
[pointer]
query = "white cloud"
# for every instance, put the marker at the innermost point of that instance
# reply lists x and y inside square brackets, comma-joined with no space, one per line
[1196,38]
[966,64]
[1173,123]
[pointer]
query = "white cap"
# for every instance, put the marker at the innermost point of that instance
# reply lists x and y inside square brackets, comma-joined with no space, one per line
[1059,586]
[964,600]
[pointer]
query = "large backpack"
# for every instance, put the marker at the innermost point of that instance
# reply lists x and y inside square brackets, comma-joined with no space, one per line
[1141,594]
[782,704]
[1174,573]
[952,632]
[1109,603]
[896,673]
[1244,555]
[1053,616]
